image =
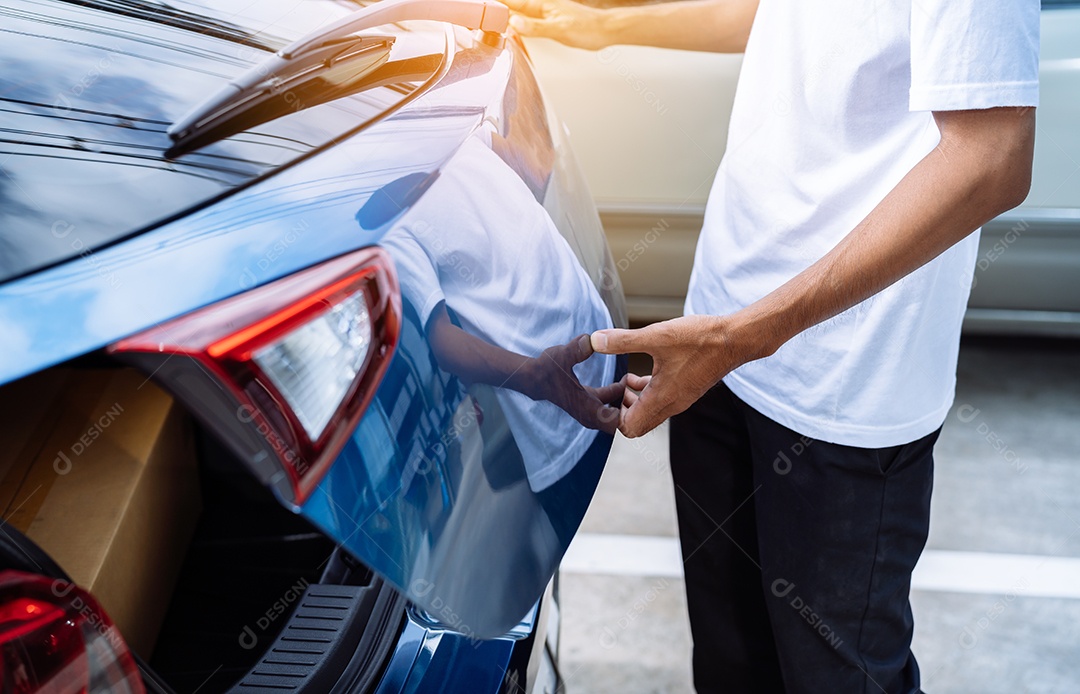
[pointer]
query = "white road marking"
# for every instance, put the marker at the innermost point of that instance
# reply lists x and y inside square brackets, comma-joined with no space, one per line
[938,570]
[624,555]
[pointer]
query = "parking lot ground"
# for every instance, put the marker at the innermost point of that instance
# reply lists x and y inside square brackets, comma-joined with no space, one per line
[997,594]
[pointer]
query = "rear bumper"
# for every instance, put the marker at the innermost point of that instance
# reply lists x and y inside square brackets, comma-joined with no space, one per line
[429,658]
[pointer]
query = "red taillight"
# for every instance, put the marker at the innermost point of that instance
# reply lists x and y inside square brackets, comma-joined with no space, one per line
[54,637]
[300,357]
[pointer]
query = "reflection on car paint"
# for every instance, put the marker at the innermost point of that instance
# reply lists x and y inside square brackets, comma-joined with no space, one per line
[493,281]
[479,257]
[433,490]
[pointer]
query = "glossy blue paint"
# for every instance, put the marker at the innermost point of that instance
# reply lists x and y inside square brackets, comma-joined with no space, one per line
[413,489]
[438,487]
[435,497]
[429,659]
[301,216]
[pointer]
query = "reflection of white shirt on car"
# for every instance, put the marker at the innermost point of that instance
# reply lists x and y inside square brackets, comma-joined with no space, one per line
[832,109]
[480,241]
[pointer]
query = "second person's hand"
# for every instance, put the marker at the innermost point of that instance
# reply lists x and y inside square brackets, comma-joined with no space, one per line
[550,376]
[565,21]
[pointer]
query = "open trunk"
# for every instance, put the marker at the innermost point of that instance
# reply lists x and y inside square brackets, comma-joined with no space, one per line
[209,579]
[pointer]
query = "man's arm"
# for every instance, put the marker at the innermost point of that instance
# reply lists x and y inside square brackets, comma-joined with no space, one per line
[981,168]
[719,26]
[549,376]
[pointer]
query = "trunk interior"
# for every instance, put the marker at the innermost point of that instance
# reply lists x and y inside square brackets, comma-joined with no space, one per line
[210,580]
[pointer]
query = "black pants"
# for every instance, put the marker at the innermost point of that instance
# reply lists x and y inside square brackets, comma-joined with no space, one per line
[798,553]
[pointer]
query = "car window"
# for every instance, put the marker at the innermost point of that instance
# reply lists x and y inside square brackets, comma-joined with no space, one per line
[88,89]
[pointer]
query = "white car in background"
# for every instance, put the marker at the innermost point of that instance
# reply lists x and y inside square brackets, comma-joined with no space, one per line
[649,126]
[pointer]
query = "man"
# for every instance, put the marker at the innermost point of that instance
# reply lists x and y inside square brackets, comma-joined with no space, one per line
[816,363]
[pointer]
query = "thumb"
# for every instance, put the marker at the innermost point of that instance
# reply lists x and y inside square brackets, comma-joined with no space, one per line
[581,348]
[618,341]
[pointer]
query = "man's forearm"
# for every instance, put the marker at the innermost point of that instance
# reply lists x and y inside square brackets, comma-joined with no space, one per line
[719,26]
[469,358]
[981,169]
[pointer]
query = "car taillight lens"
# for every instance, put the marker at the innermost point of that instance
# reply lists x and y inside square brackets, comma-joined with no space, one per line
[54,637]
[298,360]
[314,366]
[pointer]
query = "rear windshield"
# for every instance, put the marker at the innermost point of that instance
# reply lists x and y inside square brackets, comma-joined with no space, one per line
[88,88]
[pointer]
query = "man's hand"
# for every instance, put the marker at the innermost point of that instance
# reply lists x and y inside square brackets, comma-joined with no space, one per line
[551,377]
[981,168]
[565,21]
[721,26]
[690,356]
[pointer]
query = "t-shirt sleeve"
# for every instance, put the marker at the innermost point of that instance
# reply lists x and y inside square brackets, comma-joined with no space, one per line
[417,274]
[974,54]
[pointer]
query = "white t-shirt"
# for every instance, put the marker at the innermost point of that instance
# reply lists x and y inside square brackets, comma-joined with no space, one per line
[833,108]
[480,241]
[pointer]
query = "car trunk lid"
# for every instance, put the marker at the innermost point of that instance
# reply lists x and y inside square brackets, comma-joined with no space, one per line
[89,88]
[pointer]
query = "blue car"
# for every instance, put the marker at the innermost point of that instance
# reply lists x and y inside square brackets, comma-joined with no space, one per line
[295,393]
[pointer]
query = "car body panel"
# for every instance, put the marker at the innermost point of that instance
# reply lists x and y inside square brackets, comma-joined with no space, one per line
[437,462]
[674,107]
[433,659]
[433,489]
[264,232]
[430,657]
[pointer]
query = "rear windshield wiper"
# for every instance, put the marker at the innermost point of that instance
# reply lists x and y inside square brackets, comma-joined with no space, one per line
[336,70]
[333,47]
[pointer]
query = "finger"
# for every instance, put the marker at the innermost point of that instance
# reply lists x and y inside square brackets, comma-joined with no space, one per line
[637,421]
[531,8]
[608,419]
[610,394]
[529,26]
[636,382]
[647,412]
[593,414]
[618,341]
[581,348]
[629,398]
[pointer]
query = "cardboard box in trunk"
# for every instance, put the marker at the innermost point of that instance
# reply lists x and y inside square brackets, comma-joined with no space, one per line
[98,468]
